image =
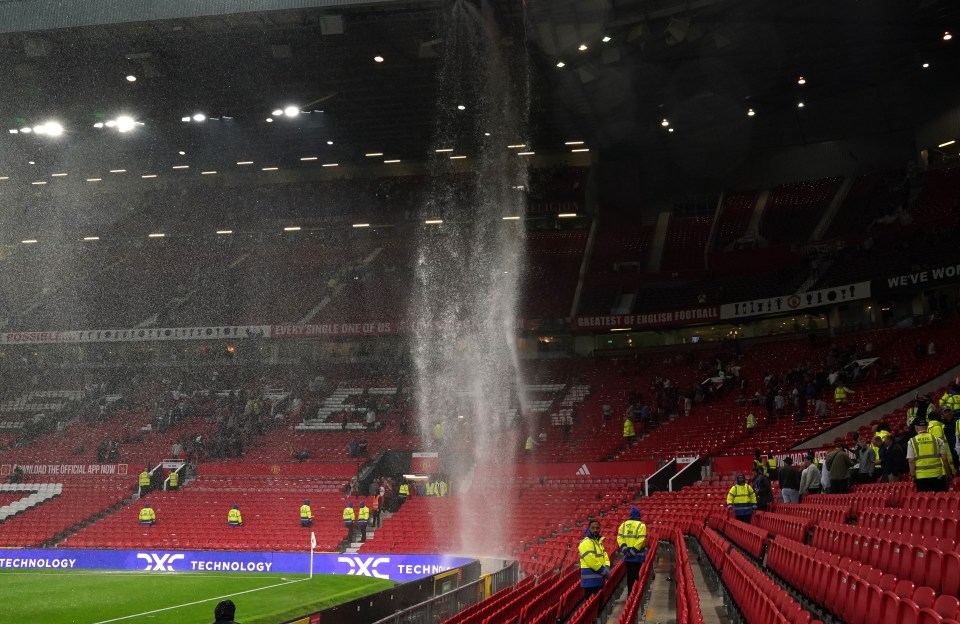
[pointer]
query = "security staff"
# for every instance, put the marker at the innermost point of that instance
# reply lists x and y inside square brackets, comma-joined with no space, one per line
[234,518]
[144,482]
[751,423]
[363,517]
[912,412]
[742,499]
[841,393]
[937,430]
[306,515]
[629,432]
[174,482]
[349,519]
[594,561]
[404,492]
[528,445]
[147,515]
[928,461]
[632,542]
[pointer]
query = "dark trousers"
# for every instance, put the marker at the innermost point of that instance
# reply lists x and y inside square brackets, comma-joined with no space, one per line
[363,531]
[747,518]
[633,573]
[589,591]
[839,486]
[376,519]
[938,484]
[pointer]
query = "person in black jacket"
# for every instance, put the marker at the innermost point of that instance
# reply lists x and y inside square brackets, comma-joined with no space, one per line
[761,485]
[789,482]
[893,460]
[225,612]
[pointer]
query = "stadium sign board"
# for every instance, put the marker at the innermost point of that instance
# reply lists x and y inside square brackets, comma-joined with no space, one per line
[232,332]
[54,470]
[786,304]
[400,568]
[650,320]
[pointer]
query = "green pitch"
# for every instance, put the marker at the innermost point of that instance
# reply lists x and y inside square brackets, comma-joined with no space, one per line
[101,596]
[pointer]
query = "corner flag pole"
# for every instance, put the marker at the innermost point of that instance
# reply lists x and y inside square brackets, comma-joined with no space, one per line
[313,544]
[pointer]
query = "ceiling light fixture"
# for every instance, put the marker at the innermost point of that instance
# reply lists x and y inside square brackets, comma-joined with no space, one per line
[182,153]
[291,111]
[461,107]
[391,162]
[198,117]
[269,120]
[292,228]
[26,130]
[580,149]
[947,36]
[39,182]
[245,162]
[125,123]
[331,164]
[574,143]
[207,172]
[525,153]
[606,39]
[329,142]
[99,124]
[181,167]
[94,179]
[458,157]
[669,129]
[309,158]
[58,175]
[801,80]
[185,119]
[224,232]
[378,58]
[118,171]
[361,225]
[277,112]
[583,47]
[751,112]
[15,131]
[926,65]
[561,64]
[156,235]
[131,78]
[517,146]
[269,168]
[566,215]
[946,144]
[373,154]
[91,238]
[513,218]
[665,123]
[148,176]
[433,221]
[800,104]
[29,241]
[444,150]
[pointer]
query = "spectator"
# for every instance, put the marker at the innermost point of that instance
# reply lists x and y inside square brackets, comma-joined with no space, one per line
[594,562]
[147,515]
[234,518]
[864,455]
[761,485]
[893,460]
[928,459]
[789,482]
[632,541]
[306,515]
[810,477]
[839,464]
[742,499]
[224,612]
[822,409]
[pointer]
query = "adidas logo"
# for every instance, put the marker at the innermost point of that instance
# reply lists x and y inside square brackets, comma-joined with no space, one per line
[584,471]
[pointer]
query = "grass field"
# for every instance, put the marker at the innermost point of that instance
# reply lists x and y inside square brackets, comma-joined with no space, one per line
[100,596]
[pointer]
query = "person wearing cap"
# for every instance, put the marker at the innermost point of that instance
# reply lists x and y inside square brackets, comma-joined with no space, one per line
[234,518]
[224,612]
[632,542]
[928,461]
[810,477]
[147,515]
[349,519]
[306,515]
[742,499]
[594,561]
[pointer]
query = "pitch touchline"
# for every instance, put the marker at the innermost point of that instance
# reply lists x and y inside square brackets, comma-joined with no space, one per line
[196,602]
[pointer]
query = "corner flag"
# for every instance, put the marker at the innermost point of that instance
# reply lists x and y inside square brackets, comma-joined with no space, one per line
[313,540]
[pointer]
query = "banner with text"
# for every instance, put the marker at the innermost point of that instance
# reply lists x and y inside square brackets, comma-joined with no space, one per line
[623,469]
[234,332]
[651,320]
[56,470]
[400,568]
[921,279]
[794,303]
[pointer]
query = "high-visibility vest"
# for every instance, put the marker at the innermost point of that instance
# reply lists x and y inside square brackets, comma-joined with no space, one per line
[751,421]
[432,488]
[926,455]
[743,499]
[840,393]
[147,515]
[349,515]
[363,514]
[305,513]
[144,479]
[404,490]
[593,558]
[234,516]
[174,479]
[628,430]
[935,428]
[528,446]
[442,488]
[376,503]
[632,534]
[911,415]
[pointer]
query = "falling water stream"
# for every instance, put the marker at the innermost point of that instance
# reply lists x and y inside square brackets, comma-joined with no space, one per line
[468,269]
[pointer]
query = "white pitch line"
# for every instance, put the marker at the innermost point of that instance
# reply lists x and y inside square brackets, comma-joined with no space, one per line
[196,602]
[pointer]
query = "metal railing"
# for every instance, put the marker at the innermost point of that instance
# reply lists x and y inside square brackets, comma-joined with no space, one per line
[445,606]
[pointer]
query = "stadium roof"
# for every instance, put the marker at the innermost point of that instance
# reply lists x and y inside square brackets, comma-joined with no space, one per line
[699,65]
